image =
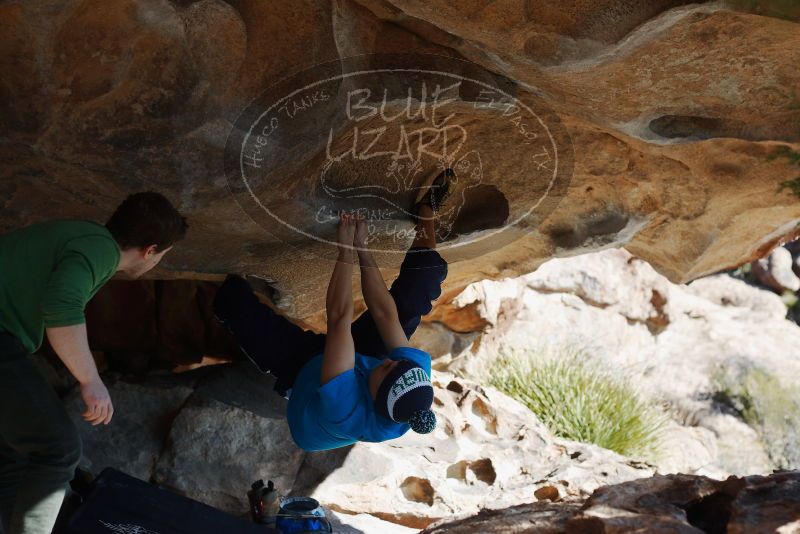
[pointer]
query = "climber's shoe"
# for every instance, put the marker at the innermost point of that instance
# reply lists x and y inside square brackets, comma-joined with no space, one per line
[438,193]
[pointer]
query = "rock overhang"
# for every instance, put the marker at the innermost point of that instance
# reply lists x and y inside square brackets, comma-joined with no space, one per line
[675,115]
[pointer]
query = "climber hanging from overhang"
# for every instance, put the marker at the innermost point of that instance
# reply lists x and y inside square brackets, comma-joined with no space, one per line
[361,381]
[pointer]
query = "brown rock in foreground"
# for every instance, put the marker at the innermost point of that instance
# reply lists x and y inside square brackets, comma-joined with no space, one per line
[669,504]
[538,517]
[673,112]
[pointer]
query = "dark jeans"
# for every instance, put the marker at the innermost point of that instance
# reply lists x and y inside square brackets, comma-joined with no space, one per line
[39,445]
[277,345]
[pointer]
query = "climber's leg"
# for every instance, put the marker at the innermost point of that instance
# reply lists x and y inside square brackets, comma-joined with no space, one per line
[425,232]
[272,342]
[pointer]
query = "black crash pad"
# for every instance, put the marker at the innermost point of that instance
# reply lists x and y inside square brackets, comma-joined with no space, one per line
[121,504]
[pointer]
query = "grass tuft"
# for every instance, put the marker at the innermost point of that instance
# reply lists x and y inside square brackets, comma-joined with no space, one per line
[578,401]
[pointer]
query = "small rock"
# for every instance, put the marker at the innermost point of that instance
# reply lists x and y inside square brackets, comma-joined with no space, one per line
[547,493]
[775,271]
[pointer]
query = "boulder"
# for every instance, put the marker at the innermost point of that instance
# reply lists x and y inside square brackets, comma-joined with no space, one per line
[721,290]
[363,523]
[684,503]
[670,504]
[136,436]
[739,448]
[488,451]
[675,130]
[533,518]
[770,503]
[439,340]
[231,432]
[673,343]
[215,451]
[775,271]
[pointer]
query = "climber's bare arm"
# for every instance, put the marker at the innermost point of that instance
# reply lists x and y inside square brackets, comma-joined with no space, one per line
[340,355]
[379,301]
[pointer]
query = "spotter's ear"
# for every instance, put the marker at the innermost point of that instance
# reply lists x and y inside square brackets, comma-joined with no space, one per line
[149,251]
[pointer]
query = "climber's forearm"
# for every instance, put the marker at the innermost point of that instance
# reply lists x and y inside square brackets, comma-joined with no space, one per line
[339,298]
[339,355]
[380,303]
[377,297]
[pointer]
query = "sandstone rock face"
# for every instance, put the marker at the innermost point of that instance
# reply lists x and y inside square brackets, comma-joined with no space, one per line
[673,112]
[231,432]
[721,290]
[675,343]
[362,523]
[137,323]
[210,433]
[663,503]
[143,416]
[775,271]
[214,449]
[207,434]
[671,118]
[669,504]
[488,452]
[533,518]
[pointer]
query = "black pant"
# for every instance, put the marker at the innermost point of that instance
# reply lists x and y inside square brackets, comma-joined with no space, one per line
[39,445]
[277,345]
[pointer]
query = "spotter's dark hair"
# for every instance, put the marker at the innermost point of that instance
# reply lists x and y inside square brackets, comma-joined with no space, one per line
[144,219]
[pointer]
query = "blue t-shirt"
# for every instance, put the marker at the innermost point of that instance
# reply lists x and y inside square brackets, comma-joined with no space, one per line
[342,411]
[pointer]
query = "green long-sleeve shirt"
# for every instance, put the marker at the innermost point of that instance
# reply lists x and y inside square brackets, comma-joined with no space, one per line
[48,272]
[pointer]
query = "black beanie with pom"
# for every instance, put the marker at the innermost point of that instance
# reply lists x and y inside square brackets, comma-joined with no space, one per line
[406,395]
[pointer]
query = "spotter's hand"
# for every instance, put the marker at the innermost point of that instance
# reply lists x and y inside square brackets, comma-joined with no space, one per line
[98,403]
